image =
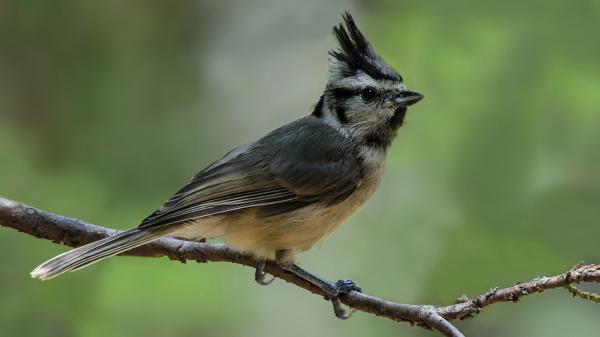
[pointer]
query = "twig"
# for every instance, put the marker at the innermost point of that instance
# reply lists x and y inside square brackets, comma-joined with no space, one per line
[74,232]
[586,295]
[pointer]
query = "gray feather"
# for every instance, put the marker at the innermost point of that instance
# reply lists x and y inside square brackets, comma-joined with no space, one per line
[314,161]
[296,165]
[95,251]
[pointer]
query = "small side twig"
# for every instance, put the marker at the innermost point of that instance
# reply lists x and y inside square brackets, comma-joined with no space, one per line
[586,295]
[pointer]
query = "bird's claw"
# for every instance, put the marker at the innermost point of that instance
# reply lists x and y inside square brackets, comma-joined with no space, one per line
[260,275]
[342,287]
[339,311]
[262,279]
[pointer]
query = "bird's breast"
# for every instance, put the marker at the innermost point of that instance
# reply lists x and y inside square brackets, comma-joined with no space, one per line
[299,229]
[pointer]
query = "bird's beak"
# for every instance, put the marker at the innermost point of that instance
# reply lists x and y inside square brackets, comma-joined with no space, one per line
[407,98]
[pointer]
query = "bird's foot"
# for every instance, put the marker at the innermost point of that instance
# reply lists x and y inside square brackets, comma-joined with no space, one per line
[332,290]
[346,286]
[260,275]
[333,294]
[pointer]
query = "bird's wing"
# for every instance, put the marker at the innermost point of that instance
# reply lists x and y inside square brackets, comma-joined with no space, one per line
[315,161]
[292,167]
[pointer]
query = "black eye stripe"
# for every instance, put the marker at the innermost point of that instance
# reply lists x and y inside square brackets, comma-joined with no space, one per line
[341,93]
[344,92]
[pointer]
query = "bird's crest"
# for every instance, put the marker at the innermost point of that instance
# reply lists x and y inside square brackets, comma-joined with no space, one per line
[356,54]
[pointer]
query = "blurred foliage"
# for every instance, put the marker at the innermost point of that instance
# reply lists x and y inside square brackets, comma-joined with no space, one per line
[107,107]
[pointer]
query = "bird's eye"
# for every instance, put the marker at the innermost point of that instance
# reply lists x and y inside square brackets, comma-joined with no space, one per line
[368,94]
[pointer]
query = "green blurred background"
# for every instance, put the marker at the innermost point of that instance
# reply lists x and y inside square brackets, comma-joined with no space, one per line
[108,107]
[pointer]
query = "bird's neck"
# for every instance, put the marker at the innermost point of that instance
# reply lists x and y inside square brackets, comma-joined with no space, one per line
[378,137]
[324,113]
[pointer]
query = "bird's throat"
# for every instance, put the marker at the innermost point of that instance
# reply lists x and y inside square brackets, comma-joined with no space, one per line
[397,119]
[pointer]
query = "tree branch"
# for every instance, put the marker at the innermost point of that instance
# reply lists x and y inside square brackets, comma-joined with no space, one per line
[74,232]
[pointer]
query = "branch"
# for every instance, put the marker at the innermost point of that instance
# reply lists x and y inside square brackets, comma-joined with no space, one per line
[74,232]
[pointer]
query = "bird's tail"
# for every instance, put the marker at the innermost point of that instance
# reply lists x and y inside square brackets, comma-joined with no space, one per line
[93,252]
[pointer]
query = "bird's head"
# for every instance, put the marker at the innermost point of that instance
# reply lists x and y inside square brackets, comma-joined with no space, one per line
[364,96]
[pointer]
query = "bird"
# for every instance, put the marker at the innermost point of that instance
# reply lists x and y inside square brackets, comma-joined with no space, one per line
[289,190]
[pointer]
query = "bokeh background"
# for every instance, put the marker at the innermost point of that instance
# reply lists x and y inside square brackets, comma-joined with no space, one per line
[108,107]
